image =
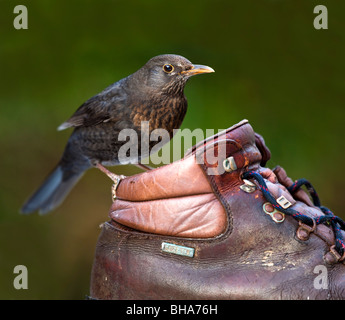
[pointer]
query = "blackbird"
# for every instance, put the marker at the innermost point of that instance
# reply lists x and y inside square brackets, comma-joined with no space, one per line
[153,94]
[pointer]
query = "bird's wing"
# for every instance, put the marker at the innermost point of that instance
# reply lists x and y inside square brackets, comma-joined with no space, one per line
[100,108]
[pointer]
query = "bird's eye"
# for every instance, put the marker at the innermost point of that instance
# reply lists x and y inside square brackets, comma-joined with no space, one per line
[168,68]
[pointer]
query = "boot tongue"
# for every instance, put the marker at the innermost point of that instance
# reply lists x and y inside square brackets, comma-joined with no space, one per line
[265,152]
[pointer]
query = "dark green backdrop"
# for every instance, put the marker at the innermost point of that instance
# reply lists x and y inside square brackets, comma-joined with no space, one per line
[272,67]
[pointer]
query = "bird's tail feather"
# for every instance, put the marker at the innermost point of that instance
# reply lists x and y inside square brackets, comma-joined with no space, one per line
[52,192]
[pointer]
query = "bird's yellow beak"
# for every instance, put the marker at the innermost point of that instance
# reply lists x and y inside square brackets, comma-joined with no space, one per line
[197,69]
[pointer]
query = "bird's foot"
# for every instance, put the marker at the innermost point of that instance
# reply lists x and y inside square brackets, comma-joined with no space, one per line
[115,177]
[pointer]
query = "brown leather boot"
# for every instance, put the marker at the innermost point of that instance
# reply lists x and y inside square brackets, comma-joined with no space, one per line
[182,231]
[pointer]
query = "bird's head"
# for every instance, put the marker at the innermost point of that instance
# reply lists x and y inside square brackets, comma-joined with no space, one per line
[168,73]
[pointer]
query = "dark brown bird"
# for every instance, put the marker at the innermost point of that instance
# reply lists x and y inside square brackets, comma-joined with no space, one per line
[154,93]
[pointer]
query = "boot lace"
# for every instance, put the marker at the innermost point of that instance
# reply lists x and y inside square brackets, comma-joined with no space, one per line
[328,218]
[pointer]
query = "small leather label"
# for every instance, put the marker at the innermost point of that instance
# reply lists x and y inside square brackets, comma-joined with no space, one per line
[179,250]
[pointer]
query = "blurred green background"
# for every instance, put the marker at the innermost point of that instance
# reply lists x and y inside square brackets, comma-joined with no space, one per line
[272,67]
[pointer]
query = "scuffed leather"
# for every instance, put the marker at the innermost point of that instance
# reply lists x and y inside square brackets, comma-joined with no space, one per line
[174,200]
[179,179]
[252,258]
[196,216]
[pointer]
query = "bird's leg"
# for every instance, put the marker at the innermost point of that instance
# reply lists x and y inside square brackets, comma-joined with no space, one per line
[143,166]
[115,177]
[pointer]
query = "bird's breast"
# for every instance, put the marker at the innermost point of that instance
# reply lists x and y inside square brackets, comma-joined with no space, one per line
[166,115]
